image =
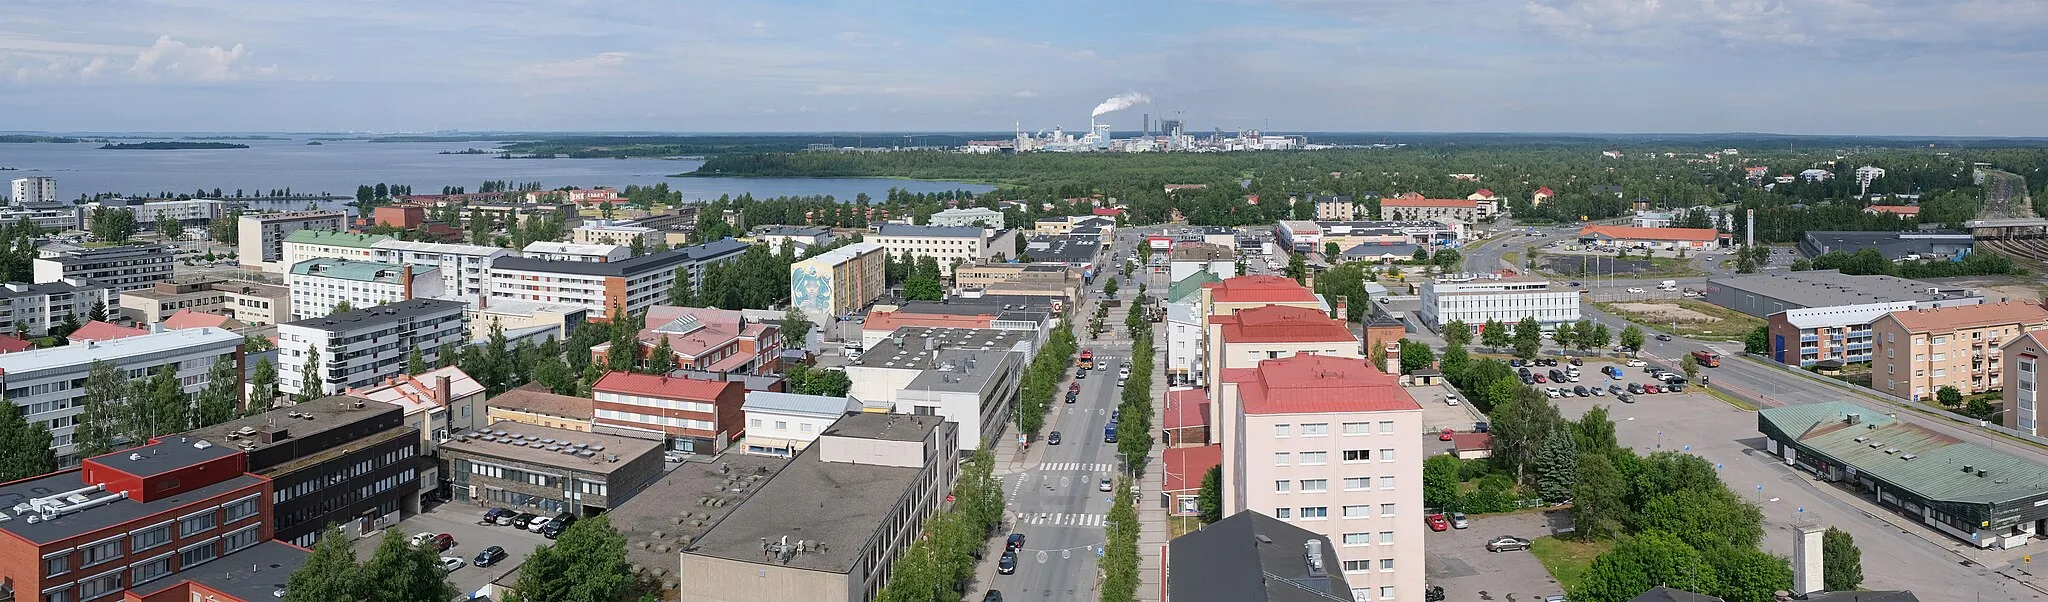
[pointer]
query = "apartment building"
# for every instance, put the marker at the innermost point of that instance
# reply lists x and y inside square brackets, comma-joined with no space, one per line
[322,244]
[260,237]
[333,460]
[247,302]
[515,317]
[1841,333]
[1413,206]
[562,251]
[707,339]
[125,268]
[465,269]
[1919,351]
[191,213]
[973,216]
[618,232]
[360,348]
[48,384]
[1251,557]
[949,245]
[635,283]
[521,465]
[2022,367]
[1330,445]
[438,403]
[1509,300]
[34,308]
[838,282]
[503,213]
[51,217]
[1186,259]
[783,424]
[1243,339]
[691,415]
[1245,292]
[321,285]
[799,238]
[1334,208]
[33,190]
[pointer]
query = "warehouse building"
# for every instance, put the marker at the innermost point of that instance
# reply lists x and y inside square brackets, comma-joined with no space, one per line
[1911,244]
[1763,294]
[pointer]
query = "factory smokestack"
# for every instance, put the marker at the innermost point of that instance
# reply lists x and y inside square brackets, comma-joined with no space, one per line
[1119,103]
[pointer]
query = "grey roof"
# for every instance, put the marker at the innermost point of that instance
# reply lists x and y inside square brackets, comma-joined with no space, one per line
[910,353]
[664,260]
[1062,249]
[1893,245]
[1096,222]
[1665,594]
[252,573]
[779,230]
[22,362]
[23,289]
[883,427]
[171,453]
[316,416]
[1823,288]
[681,493]
[910,230]
[1250,557]
[971,371]
[389,312]
[626,448]
[1378,250]
[799,404]
[1907,456]
[995,306]
[94,519]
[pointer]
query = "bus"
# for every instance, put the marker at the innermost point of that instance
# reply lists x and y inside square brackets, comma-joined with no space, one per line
[1087,360]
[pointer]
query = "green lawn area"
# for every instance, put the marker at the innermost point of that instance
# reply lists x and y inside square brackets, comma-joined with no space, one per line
[1723,324]
[1567,559]
[1177,526]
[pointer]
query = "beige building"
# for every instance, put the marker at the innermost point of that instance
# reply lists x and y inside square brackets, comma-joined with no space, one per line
[321,244]
[260,238]
[1921,350]
[1334,208]
[513,315]
[247,302]
[838,282]
[623,233]
[1243,339]
[534,405]
[948,245]
[1040,279]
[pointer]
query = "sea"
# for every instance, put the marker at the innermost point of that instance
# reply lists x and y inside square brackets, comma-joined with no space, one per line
[337,167]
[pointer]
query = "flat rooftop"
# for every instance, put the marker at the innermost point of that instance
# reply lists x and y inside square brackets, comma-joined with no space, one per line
[932,231]
[1893,244]
[984,306]
[837,505]
[370,316]
[686,503]
[1062,249]
[93,519]
[302,420]
[882,427]
[77,355]
[1824,288]
[527,443]
[960,370]
[664,260]
[252,573]
[910,353]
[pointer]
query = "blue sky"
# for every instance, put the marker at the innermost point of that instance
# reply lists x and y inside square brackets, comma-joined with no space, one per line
[1910,67]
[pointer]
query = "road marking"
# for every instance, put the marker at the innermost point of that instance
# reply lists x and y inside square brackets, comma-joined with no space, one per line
[1074,467]
[1063,519]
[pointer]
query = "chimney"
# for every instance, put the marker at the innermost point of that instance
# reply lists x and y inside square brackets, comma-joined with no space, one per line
[441,389]
[1393,358]
[1806,560]
[405,279]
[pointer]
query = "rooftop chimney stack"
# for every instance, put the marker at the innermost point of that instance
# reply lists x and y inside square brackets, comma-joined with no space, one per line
[1806,560]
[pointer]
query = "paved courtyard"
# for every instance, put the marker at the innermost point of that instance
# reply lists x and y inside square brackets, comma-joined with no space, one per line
[1457,560]
[460,521]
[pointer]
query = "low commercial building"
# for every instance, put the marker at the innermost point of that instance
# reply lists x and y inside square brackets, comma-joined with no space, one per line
[972,216]
[633,284]
[700,493]
[834,519]
[562,251]
[552,470]
[1315,236]
[967,376]
[691,415]
[950,246]
[319,286]
[1069,251]
[1476,300]
[799,238]
[1251,557]
[465,269]
[247,302]
[1186,467]
[1909,244]
[47,384]
[1841,333]
[1767,293]
[916,319]
[1014,279]
[34,308]
[323,244]
[330,461]
[362,347]
[618,232]
[534,404]
[502,213]
[1186,259]
[125,268]
[783,424]
[839,282]
[513,316]
[1920,351]
[260,242]
[1978,495]
[1696,239]
[51,217]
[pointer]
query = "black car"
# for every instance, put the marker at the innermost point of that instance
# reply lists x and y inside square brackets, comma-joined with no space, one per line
[491,517]
[1053,438]
[1522,371]
[555,527]
[1635,388]
[1016,542]
[1557,376]
[992,596]
[1080,374]
[1675,388]
[1663,337]
[1072,396]
[1580,391]
[1008,564]
[489,556]
[1481,427]
[523,519]
[1672,379]
[1528,380]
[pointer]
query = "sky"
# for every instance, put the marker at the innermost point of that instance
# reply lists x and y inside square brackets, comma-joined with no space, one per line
[1876,67]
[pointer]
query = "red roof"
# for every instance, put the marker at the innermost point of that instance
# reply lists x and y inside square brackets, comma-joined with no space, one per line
[1315,384]
[1405,201]
[1185,466]
[891,320]
[102,331]
[1545,191]
[1471,441]
[1958,317]
[1281,324]
[1109,211]
[1894,209]
[186,318]
[1186,408]
[9,344]
[1484,192]
[1634,233]
[1260,289]
[665,387]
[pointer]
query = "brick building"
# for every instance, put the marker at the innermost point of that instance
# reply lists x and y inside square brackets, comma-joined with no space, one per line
[697,416]
[333,460]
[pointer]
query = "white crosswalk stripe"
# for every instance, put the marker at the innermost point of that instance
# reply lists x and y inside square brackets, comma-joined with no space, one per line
[1074,467]
[1062,519]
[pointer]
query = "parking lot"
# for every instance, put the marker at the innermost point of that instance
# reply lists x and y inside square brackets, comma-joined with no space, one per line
[1457,560]
[1439,415]
[1635,381]
[460,521]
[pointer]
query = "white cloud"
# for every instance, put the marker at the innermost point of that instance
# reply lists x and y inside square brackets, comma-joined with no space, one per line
[603,63]
[172,60]
[167,60]
[1025,94]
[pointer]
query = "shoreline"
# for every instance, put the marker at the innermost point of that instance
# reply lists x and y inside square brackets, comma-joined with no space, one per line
[692,174]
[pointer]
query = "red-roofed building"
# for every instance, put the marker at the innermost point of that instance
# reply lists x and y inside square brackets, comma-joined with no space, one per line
[697,416]
[709,339]
[1185,469]
[1472,446]
[1414,207]
[880,325]
[1653,238]
[103,331]
[1332,445]
[1542,194]
[1898,210]
[1482,195]
[186,318]
[10,344]
[1919,351]
[1245,292]
[1253,335]
[1186,420]
[1109,212]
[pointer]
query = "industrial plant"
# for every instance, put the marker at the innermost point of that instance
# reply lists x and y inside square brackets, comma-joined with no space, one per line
[1170,136]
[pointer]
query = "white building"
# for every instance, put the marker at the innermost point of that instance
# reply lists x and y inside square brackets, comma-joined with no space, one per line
[322,244]
[1184,333]
[634,284]
[46,383]
[562,251]
[34,189]
[1816,175]
[193,213]
[1867,174]
[783,424]
[465,269]
[967,375]
[1184,260]
[320,285]
[51,217]
[34,308]
[1477,300]
[260,237]
[126,268]
[948,245]
[619,232]
[363,347]
[800,238]
[973,216]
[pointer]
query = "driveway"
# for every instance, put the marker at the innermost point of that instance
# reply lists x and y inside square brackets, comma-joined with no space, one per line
[1458,561]
[460,521]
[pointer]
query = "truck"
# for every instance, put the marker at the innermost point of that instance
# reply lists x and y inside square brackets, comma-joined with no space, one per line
[1087,359]
[1668,285]
[1707,358]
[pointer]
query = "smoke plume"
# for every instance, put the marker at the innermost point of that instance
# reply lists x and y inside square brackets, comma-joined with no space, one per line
[1119,103]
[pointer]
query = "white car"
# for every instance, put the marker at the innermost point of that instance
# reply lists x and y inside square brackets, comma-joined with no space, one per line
[538,523]
[1450,400]
[1636,290]
[422,539]
[1552,392]
[1637,363]
[450,563]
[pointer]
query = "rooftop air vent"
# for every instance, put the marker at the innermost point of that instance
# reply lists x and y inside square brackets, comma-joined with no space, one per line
[1862,439]
[1890,451]
[1908,457]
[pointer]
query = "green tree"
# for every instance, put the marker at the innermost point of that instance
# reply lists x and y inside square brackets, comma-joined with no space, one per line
[1594,432]
[1440,477]
[920,288]
[312,380]
[1454,363]
[112,224]
[1690,366]
[1639,563]
[253,343]
[415,364]
[681,291]
[586,564]
[1520,427]
[340,308]
[796,328]
[1297,268]
[1948,396]
[162,406]
[556,375]
[1599,499]
[1421,255]
[24,446]
[1599,337]
[105,406]
[1557,465]
[1457,334]
[1528,337]
[1758,341]
[263,387]
[1564,335]
[1632,337]
[330,572]
[662,360]
[1707,519]
[1495,335]
[98,312]
[1109,288]
[170,229]
[1582,335]
[1415,356]
[221,399]
[401,572]
[1447,259]
[1209,502]
[1747,573]
[1841,561]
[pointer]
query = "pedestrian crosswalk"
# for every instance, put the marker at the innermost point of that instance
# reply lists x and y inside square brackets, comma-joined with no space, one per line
[1061,519]
[1074,467]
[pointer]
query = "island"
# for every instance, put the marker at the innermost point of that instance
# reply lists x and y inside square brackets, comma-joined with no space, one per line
[313,143]
[171,146]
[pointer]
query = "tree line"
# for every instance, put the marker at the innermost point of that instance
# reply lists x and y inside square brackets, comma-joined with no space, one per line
[937,566]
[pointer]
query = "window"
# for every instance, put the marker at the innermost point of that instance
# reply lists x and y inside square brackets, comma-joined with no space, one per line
[1357,455]
[195,524]
[1315,458]
[1315,430]
[1283,513]
[1386,564]
[1386,455]
[754,422]
[1315,512]
[1357,483]
[1386,592]
[97,553]
[1386,510]
[197,554]
[1386,426]
[149,570]
[1282,485]
[101,585]
[57,565]
[61,594]
[241,539]
[1939,357]
[1279,458]
[1315,485]
[244,508]
[1282,430]
[1386,537]
[1353,566]
[1358,511]
[151,537]
[1357,428]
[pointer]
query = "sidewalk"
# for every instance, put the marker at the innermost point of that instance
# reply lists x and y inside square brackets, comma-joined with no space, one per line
[1152,528]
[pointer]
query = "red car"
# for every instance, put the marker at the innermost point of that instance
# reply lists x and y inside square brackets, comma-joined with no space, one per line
[444,541]
[1437,523]
[1540,379]
[1445,435]
[1652,389]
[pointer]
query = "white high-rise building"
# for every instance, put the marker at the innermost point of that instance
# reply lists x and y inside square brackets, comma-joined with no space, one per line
[46,383]
[465,269]
[360,348]
[34,189]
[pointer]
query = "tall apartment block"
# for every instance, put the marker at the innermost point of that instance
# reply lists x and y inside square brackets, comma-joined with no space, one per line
[261,237]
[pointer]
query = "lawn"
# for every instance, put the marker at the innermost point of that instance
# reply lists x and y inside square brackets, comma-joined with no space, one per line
[1567,559]
[1731,400]
[1691,317]
[1177,526]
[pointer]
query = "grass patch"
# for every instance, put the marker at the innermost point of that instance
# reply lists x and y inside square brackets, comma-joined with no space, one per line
[1567,559]
[1731,400]
[1723,324]
[1512,260]
[1177,526]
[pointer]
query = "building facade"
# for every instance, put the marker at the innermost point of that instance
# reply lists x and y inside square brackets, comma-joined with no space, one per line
[260,237]
[799,238]
[1243,339]
[33,189]
[838,282]
[1697,239]
[1476,301]
[972,216]
[1805,337]
[126,268]
[783,424]
[465,269]
[620,232]
[510,316]
[562,251]
[247,302]
[319,286]
[964,245]
[634,284]
[1922,350]
[695,416]
[1334,208]
[34,308]
[2022,367]
[48,384]
[1414,207]
[322,244]
[575,472]
[362,347]
[369,484]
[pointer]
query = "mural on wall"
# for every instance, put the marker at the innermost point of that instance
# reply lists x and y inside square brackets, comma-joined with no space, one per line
[810,291]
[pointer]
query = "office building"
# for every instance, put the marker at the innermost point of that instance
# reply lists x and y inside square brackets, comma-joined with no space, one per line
[1070,251]
[1476,300]
[1186,259]
[783,424]
[691,415]
[1839,334]
[322,244]
[1251,557]
[1243,339]
[1919,351]
[633,284]
[1763,294]
[190,213]
[33,190]
[553,470]
[360,348]
[319,286]
[562,251]
[534,404]
[1332,445]
[618,232]
[247,302]
[34,308]
[51,217]
[333,460]
[1983,497]
[949,246]
[1695,239]
[799,238]
[1033,326]
[1027,280]
[839,282]
[515,317]
[1334,208]
[973,216]
[1909,244]
[967,376]
[48,383]
[126,268]
[465,269]
[835,518]
[260,237]
[147,519]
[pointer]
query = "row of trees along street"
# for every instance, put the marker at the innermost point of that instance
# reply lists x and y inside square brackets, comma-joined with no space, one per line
[939,565]
[1042,379]
[1120,554]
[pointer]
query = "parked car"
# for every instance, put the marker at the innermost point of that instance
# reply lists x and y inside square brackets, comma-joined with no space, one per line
[1663,337]
[1106,485]
[1052,438]
[1540,379]
[444,541]
[1578,362]
[1437,523]
[1672,379]
[1614,389]
[489,556]
[1507,543]
[1557,376]
[450,563]
[1434,593]
[1515,363]
[1635,290]
[1445,435]
[1637,363]
[1635,388]
[422,539]
[1481,427]
[1523,372]
[1550,392]
[1007,565]
[1124,372]
[555,527]
[1073,396]
[992,596]
[491,516]
[1675,388]
[538,522]
[1626,398]
[1016,542]
[1651,388]
[1081,374]
[1458,521]
[1597,391]
[521,520]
